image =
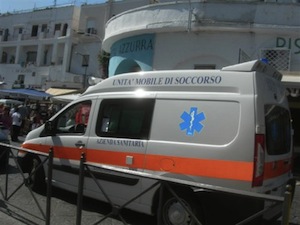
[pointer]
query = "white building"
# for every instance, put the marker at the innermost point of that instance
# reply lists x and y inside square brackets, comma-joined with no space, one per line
[205,34]
[209,34]
[55,47]
[35,47]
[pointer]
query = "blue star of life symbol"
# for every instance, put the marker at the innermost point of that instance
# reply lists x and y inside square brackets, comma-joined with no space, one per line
[192,121]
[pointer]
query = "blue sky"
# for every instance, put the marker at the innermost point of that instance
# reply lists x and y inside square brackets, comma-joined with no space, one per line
[17,5]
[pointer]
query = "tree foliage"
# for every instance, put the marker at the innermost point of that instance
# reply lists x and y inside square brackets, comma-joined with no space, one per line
[103,58]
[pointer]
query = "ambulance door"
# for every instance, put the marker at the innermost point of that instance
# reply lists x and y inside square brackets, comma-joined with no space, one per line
[278,157]
[69,139]
[273,163]
[120,140]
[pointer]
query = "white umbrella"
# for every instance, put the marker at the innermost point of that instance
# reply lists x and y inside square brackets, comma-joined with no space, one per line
[10,102]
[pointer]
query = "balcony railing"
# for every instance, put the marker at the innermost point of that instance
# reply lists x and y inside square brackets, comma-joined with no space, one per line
[24,37]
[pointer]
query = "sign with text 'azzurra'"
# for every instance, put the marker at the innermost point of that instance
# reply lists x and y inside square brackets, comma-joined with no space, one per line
[192,121]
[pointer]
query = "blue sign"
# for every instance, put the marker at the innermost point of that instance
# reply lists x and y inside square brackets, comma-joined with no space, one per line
[192,121]
[132,54]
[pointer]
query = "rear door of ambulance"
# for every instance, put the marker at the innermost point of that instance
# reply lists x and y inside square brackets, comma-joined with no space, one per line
[274,127]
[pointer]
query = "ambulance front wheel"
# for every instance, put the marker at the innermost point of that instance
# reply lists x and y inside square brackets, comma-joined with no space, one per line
[174,213]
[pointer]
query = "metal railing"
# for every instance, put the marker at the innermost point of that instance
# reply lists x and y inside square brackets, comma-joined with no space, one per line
[163,182]
[47,158]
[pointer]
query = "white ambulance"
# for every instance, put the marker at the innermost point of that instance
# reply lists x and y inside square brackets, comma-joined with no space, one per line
[228,127]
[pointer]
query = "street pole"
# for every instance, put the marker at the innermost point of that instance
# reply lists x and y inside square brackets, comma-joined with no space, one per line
[85,63]
[85,78]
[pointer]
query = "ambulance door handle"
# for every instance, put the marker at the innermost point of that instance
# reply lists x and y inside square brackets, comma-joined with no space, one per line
[79,144]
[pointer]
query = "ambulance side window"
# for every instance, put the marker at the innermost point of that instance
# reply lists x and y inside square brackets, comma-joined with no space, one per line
[278,130]
[125,118]
[74,119]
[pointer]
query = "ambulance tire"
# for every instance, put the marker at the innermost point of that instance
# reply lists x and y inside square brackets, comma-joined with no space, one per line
[173,213]
[36,180]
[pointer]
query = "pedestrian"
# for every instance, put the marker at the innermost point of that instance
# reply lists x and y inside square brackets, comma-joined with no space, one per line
[16,125]
[1,108]
[6,120]
[12,110]
[24,114]
[43,114]
[35,120]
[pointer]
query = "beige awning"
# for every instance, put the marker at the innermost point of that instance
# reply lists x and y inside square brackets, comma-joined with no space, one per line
[61,91]
[65,98]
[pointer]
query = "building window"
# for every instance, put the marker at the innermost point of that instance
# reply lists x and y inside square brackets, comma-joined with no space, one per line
[91,30]
[6,34]
[85,60]
[34,30]
[44,28]
[31,57]
[57,27]
[45,57]
[21,78]
[4,57]
[12,59]
[64,32]
[91,24]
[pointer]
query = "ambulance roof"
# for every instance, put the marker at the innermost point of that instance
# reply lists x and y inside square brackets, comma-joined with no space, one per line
[178,79]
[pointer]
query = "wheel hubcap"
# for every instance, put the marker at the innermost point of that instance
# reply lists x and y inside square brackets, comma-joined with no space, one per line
[177,214]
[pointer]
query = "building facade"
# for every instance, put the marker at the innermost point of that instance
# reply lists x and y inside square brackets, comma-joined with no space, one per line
[55,47]
[205,34]
[209,35]
[35,47]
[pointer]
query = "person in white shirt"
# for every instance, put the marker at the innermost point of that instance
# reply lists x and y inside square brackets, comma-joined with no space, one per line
[16,125]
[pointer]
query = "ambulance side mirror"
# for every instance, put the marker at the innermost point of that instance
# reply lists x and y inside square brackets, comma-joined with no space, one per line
[49,128]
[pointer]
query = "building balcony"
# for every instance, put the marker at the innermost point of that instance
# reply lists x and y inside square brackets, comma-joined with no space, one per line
[200,16]
[29,37]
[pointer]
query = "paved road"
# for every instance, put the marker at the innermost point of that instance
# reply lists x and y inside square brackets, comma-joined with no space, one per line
[21,208]
[295,215]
